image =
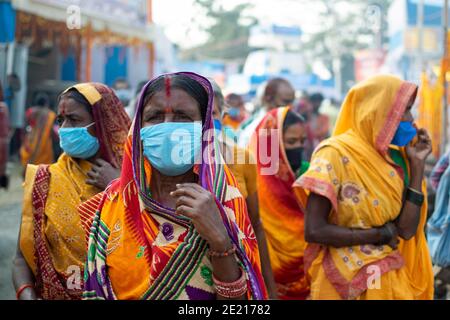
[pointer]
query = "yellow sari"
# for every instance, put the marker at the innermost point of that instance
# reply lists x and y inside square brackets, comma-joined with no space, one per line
[61,227]
[53,237]
[354,170]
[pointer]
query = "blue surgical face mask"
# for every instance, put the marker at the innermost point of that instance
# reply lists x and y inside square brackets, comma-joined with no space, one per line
[234,112]
[404,134]
[218,128]
[217,124]
[78,142]
[172,147]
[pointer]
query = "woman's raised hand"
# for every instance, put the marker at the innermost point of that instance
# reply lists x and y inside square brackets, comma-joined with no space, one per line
[196,203]
[101,174]
[419,151]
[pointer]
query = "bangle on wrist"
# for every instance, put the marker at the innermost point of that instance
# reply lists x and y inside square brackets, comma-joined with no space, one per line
[414,196]
[22,289]
[222,254]
[233,289]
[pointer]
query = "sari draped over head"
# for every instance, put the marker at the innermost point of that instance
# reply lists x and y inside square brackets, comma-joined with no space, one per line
[52,235]
[139,249]
[354,170]
[38,144]
[281,215]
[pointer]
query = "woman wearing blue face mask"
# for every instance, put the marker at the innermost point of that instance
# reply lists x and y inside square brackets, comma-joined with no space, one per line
[52,242]
[244,168]
[175,225]
[365,199]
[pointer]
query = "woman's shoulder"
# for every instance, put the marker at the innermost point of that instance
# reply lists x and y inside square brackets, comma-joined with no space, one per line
[328,148]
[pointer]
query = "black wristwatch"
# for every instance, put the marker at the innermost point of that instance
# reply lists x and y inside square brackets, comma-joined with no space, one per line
[415,197]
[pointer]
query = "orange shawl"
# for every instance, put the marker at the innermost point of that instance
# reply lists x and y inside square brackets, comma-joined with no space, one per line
[139,249]
[37,147]
[281,215]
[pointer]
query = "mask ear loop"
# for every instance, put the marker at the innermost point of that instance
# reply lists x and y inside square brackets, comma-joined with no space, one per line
[89,125]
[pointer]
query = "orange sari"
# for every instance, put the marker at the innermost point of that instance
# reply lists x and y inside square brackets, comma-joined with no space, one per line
[139,249]
[281,215]
[37,147]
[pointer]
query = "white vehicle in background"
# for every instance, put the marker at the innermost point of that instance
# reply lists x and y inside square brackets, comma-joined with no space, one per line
[263,62]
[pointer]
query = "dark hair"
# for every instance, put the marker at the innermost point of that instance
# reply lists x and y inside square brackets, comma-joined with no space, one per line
[316,97]
[78,97]
[272,87]
[182,82]
[292,118]
[233,96]
[41,99]
[140,85]
[218,95]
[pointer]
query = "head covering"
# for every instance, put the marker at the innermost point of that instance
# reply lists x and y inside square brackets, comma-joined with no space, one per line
[374,108]
[281,215]
[38,144]
[162,246]
[111,120]
[355,172]
[52,237]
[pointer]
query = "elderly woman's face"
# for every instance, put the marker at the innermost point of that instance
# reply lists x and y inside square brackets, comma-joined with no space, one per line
[178,106]
[72,114]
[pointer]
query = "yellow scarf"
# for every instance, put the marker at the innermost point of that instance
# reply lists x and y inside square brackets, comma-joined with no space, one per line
[355,172]
[37,147]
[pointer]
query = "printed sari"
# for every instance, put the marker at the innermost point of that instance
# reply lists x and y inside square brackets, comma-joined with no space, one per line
[38,144]
[354,170]
[139,249]
[52,236]
[281,215]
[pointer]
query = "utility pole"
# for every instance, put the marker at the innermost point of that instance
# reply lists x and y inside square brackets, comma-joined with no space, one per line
[420,14]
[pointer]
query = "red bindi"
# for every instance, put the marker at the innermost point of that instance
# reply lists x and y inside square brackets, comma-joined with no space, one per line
[63,108]
[168,108]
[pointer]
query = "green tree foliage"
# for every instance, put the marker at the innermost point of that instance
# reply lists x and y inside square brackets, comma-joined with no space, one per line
[363,25]
[227,35]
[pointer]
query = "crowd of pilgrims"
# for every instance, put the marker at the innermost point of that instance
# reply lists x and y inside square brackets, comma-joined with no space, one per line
[187,195]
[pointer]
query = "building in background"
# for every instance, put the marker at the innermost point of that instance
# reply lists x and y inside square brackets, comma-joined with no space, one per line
[51,44]
[277,53]
[406,58]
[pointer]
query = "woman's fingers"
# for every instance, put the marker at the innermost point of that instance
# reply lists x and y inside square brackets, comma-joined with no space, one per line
[423,134]
[193,186]
[101,163]
[92,174]
[184,200]
[184,191]
[91,182]
[186,211]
